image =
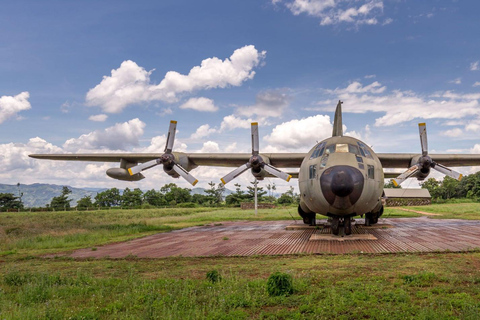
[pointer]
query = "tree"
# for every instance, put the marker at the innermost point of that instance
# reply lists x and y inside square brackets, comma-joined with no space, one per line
[85,203]
[237,197]
[61,202]
[215,194]
[132,198]
[9,201]
[288,197]
[154,198]
[251,192]
[108,198]
[174,194]
[433,187]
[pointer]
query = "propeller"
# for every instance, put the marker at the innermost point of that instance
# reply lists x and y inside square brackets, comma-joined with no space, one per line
[425,162]
[255,162]
[167,159]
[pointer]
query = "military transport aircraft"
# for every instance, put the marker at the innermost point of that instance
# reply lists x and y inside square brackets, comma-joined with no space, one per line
[340,177]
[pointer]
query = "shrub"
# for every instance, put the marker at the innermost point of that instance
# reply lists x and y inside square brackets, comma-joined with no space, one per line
[213,276]
[280,284]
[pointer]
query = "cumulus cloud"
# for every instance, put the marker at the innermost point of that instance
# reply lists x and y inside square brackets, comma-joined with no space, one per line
[232,122]
[401,106]
[118,137]
[210,147]
[203,131]
[299,134]
[476,84]
[98,117]
[10,106]
[130,84]
[334,12]
[474,66]
[200,104]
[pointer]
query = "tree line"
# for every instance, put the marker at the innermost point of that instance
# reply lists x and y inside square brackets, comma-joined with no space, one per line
[168,195]
[450,188]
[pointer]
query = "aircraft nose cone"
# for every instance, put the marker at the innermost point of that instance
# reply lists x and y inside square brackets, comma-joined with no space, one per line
[342,186]
[342,182]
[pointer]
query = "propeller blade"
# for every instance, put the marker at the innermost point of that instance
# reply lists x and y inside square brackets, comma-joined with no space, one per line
[171,137]
[235,173]
[185,175]
[448,172]
[143,166]
[277,173]
[422,129]
[255,140]
[404,176]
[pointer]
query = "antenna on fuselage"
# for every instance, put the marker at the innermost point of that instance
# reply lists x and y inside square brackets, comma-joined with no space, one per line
[337,122]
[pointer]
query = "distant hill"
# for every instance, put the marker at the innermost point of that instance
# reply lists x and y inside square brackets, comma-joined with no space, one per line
[40,194]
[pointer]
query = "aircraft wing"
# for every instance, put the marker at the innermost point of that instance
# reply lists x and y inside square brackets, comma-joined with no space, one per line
[282,160]
[404,160]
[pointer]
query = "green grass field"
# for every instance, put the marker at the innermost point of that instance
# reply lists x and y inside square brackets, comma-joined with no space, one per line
[401,286]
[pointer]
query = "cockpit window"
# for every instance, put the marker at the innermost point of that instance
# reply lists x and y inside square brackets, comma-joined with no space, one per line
[318,151]
[353,149]
[343,147]
[364,150]
[330,149]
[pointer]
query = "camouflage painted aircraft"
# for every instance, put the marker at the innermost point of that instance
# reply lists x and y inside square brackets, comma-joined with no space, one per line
[340,177]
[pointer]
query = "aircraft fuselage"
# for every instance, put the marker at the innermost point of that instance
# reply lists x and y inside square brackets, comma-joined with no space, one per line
[341,177]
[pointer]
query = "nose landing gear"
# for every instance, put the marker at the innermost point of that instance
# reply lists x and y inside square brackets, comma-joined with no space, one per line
[341,225]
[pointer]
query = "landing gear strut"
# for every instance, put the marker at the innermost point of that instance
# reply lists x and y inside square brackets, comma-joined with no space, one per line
[341,224]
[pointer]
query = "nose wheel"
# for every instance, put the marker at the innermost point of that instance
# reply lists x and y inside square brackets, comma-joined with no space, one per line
[341,226]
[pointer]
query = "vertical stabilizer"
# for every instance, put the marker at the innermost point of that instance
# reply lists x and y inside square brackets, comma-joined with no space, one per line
[337,122]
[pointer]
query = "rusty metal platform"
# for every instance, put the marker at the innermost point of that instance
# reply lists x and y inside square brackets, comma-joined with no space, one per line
[245,238]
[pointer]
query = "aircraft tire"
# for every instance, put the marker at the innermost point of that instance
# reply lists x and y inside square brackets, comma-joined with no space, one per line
[348,226]
[335,225]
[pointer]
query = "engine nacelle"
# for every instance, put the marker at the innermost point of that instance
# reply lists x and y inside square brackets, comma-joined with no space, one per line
[259,174]
[122,174]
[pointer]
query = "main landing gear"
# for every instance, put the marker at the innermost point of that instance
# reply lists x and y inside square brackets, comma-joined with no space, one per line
[341,225]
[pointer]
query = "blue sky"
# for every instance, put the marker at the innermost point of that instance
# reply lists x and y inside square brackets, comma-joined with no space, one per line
[91,76]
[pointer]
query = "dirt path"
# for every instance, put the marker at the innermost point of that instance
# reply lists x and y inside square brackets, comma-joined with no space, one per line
[420,212]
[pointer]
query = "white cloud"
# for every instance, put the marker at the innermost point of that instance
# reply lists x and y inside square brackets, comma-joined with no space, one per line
[200,104]
[203,131]
[387,21]
[11,105]
[333,12]
[117,137]
[165,111]
[456,81]
[476,84]
[98,117]
[232,122]
[357,87]
[130,84]
[401,106]
[210,147]
[474,66]
[299,134]
[456,132]
[370,76]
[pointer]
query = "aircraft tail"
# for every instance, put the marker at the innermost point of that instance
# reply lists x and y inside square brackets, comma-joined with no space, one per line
[337,122]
